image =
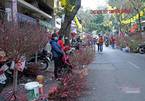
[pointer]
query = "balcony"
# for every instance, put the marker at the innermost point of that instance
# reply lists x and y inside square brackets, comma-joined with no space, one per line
[34,8]
[44,5]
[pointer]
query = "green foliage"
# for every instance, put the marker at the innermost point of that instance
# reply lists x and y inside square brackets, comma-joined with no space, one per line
[121,43]
[85,17]
[98,19]
[96,23]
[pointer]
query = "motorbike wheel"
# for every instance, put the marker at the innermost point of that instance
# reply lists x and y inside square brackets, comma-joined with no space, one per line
[44,64]
[141,50]
[107,45]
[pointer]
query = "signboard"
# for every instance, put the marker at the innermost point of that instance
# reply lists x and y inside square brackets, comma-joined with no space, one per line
[20,64]
[14,10]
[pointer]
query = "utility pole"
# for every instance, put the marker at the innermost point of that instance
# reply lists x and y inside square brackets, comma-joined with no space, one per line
[54,15]
[14,21]
[14,10]
[11,10]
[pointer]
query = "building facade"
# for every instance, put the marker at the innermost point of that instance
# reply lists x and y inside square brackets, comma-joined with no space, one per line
[34,11]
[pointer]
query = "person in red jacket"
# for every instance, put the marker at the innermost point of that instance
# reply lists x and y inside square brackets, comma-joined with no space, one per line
[112,41]
[61,42]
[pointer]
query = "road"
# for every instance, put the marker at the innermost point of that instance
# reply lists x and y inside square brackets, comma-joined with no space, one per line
[116,76]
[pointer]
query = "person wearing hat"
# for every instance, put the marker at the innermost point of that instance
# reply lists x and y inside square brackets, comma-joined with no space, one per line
[57,54]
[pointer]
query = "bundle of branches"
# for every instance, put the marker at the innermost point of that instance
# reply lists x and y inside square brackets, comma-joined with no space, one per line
[21,95]
[72,86]
[20,40]
[83,57]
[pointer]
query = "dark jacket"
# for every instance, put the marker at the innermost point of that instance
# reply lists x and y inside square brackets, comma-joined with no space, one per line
[56,49]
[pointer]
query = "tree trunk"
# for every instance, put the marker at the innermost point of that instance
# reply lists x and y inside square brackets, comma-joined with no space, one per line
[139,21]
[69,16]
[140,26]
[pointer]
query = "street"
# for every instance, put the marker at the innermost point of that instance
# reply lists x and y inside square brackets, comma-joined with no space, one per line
[47,50]
[116,76]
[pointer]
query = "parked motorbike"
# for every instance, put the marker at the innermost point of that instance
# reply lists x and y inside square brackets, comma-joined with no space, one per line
[141,48]
[106,43]
[7,67]
[44,58]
